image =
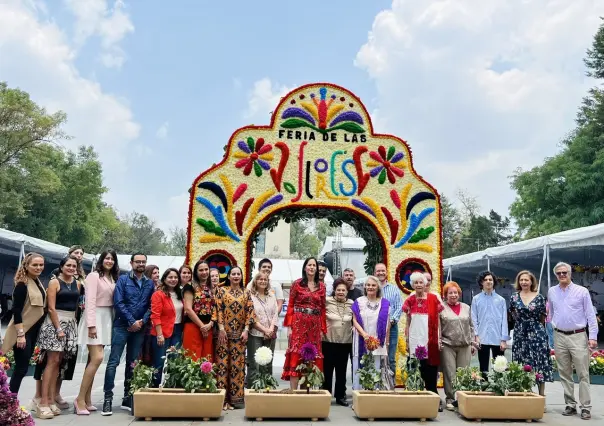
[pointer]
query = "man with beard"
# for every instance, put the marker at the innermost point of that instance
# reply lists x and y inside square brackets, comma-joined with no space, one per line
[353,292]
[131,302]
[393,295]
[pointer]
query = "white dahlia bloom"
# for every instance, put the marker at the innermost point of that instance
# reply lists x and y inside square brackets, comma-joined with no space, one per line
[500,364]
[263,355]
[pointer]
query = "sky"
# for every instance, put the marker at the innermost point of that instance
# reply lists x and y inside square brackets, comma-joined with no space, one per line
[477,89]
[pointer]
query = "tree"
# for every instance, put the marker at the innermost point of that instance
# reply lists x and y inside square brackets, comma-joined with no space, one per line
[452,226]
[24,125]
[145,236]
[303,242]
[566,191]
[177,245]
[324,229]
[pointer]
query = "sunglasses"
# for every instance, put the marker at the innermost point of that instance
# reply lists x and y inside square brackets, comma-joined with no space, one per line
[562,273]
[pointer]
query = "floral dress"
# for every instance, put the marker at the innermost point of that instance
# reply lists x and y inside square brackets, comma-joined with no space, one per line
[530,337]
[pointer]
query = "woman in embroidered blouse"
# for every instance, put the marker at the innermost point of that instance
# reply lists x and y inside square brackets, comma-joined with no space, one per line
[235,318]
[95,327]
[337,342]
[166,319]
[423,328]
[305,318]
[370,319]
[457,338]
[29,302]
[531,346]
[264,331]
[200,310]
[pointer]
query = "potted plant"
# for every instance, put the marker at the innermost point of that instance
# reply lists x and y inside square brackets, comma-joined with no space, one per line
[10,411]
[508,394]
[375,402]
[596,368]
[188,390]
[264,401]
[142,377]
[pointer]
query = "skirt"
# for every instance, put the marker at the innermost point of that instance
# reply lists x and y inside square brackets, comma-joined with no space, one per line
[48,341]
[104,322]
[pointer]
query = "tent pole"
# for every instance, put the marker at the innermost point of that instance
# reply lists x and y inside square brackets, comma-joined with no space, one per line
[22,252]
[449,274]
[488,263]
[542,266]
[549,279]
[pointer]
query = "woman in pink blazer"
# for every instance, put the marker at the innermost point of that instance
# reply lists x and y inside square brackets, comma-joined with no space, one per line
[95,326]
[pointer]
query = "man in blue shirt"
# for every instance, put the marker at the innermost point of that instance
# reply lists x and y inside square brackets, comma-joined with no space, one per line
[490,319]
[131,304]
[393,296]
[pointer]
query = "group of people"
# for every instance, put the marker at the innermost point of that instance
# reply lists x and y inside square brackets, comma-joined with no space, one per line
[144,313]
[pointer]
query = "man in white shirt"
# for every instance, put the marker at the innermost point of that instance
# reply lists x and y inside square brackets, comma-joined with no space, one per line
[266,266]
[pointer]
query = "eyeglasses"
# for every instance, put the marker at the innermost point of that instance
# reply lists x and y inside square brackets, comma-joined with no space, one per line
[139,262]
[562,273]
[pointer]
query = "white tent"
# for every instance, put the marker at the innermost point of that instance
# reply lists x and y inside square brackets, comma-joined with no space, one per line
[580,246]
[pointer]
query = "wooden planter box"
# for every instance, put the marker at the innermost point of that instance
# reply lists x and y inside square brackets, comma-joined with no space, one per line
[281,405]
[176,403]
[487,405]
[395,405]
[593,379]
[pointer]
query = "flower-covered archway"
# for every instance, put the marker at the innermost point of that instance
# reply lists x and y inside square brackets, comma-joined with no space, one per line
[320,151]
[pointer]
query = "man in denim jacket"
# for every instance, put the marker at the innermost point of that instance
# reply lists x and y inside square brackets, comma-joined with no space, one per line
[131,303]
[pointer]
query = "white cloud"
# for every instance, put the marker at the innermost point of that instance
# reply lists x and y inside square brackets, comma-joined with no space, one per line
[40,60]
[162,132]
[263,98]
[176,212]
[479,88]
[110,23]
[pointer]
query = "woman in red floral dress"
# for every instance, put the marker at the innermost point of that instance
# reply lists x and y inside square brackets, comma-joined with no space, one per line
[305,318]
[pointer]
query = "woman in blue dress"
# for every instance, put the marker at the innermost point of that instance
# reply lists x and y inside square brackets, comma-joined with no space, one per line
[530,347]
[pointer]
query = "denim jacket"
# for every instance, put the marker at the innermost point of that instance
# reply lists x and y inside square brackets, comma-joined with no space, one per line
[131,302]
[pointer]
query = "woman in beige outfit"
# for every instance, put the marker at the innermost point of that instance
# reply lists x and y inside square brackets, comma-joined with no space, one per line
[457,338]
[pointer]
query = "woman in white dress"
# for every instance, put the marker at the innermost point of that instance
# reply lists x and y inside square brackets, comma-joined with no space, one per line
[95,325]
[370,319]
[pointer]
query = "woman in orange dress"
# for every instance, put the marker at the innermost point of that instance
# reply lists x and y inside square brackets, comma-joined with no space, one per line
[305,318]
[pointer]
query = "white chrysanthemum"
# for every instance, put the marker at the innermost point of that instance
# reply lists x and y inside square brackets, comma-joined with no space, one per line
[263,356]
[500,364]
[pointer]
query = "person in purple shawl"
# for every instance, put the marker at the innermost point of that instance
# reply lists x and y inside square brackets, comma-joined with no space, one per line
[370,318]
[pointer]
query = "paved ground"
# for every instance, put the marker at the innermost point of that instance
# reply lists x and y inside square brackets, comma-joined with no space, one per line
[338,416]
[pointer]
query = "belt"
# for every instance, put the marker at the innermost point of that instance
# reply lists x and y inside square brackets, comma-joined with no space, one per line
[308,311]
[571,332]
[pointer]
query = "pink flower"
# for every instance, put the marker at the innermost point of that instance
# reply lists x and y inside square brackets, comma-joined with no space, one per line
[539,377]
[206,367]
[421,352]
[528,368]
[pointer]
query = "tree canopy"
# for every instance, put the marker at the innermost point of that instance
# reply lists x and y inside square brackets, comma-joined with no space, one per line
[567,190]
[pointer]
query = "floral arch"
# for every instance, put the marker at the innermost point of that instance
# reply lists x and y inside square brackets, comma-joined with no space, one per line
[319,152]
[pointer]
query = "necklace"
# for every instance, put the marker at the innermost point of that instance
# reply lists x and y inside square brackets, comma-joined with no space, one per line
[374,306]
[341,308]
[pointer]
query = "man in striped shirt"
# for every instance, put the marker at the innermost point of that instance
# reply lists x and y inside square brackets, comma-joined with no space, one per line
[393,296]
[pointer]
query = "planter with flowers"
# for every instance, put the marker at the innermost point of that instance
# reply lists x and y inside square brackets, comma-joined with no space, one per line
[596,368]
[507,395]
[264,401]
[376,402]
[188,389]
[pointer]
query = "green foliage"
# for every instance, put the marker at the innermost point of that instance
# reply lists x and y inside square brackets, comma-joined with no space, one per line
[369,377]
[183,372]
[264,380]
[311,377]
[513,379]
[566,191]
[177,243]
[469,379]
[414,381]
[302,241]
[421,234]
[142,377]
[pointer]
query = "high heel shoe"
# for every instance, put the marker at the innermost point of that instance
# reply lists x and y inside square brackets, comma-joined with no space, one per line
[91,407]
[61,403]
[44,413]
[76,410]
[55,410]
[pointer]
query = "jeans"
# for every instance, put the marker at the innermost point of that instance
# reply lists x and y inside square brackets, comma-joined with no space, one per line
[159,352]
[22,357]
[393,343]
[133,343]
[550,334]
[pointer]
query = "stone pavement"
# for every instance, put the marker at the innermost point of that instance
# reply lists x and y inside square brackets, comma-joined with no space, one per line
[338,416]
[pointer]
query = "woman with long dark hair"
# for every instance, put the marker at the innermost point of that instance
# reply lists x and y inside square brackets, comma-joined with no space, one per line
[305,318]
[29,302]
[58,335]
[200,311]
[236,317]
[166,319]
[95,327]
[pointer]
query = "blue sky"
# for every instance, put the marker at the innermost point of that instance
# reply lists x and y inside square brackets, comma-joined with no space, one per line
[477,89]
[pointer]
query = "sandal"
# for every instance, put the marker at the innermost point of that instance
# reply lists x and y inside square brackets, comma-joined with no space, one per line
[61,403]
[55,410]
[44,413]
